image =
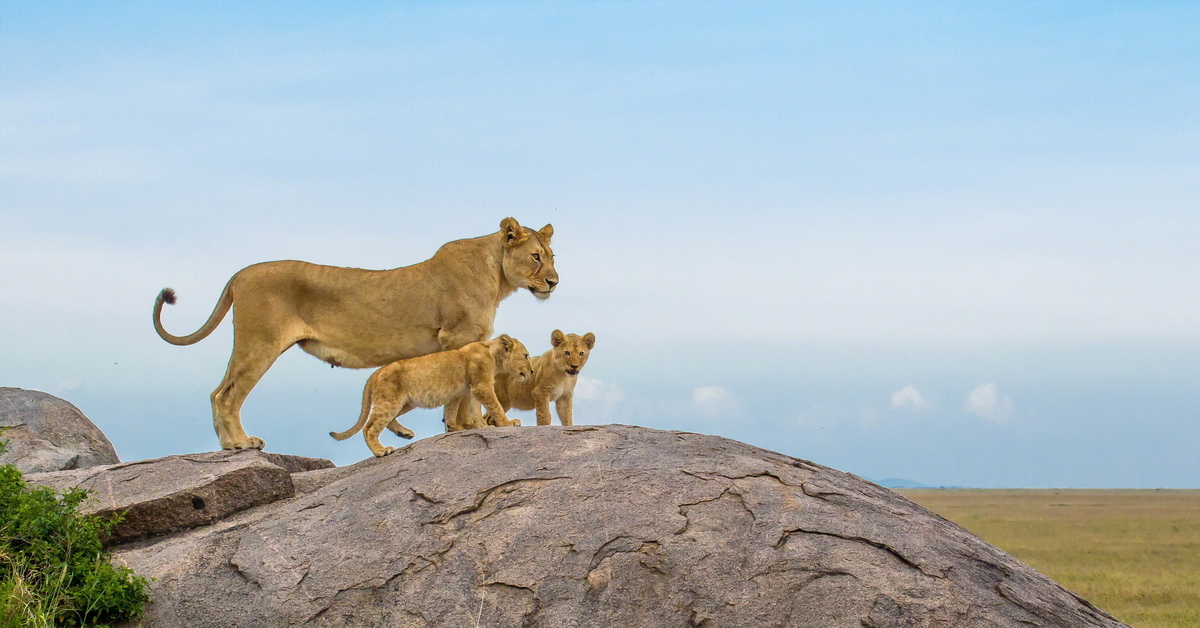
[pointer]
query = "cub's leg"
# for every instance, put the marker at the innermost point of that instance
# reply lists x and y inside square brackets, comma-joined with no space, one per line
[383,412]
[451,414]
[541,405]
[485,391]
[502,395]
[456,337]
[400,430]
[563,405]
[250,360]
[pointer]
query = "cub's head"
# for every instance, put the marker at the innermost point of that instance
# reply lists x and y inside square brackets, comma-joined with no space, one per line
[570,351]
[528,261]
[512,357]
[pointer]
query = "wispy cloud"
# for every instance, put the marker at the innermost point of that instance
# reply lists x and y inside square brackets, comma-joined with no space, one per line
[714,402]
[588,389]
[596,400]
[909,397]
[986,402]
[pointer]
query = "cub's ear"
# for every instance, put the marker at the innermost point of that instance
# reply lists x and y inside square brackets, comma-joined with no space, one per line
[547,232]
[557,338]
[506,341]
[511,232]
[589,339]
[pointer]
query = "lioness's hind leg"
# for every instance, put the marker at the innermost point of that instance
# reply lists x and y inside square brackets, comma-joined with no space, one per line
[247,365]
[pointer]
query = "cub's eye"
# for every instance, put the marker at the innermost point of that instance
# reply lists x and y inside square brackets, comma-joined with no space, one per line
[568,354]
[526,356]
[582,353]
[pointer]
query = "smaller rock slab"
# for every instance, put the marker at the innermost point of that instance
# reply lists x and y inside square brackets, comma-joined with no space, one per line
[45,433]
[165,495]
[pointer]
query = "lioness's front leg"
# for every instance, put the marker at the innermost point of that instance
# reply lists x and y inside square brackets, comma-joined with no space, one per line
[563,405]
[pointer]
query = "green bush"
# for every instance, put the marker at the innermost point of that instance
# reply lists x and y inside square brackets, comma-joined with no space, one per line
[53,569]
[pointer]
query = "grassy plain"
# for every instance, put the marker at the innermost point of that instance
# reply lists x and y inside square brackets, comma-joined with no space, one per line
[1133,553]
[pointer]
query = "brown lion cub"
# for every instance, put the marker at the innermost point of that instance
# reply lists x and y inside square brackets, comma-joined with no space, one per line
[554,377]
[445,378]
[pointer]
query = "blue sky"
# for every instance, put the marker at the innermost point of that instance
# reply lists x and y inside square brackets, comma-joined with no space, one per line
[951,242]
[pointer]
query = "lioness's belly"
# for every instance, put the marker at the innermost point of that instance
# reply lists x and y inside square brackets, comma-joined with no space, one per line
[366,357]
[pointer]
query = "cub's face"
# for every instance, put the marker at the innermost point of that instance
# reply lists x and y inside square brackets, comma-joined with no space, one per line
[515,359]
[528,261]
[571,351]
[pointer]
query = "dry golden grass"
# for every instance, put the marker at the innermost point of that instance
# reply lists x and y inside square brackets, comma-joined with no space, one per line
[1133,553]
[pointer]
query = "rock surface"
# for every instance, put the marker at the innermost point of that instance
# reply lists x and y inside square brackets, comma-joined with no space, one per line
[168,494]
[45,433]
[591,526]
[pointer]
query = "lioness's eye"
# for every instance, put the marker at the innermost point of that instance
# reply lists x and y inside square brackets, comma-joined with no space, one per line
[537,258]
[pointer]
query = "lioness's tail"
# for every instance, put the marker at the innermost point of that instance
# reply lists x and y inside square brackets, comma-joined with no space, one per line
[366,411]
[214,319]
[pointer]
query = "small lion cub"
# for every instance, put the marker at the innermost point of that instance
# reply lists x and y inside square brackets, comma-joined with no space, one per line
[445,378]
[554,377]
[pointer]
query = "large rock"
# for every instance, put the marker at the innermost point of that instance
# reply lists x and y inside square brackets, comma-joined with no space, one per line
[164,495]
[45,433]
[592,526]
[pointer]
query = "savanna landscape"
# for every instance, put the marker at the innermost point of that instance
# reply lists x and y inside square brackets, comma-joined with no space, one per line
[1133,553]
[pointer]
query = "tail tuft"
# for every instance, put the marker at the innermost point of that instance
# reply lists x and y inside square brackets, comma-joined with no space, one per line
[167,296]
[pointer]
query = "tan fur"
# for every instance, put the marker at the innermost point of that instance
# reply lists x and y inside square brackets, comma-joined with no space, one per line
[366,318]
[554,375]
[445,378]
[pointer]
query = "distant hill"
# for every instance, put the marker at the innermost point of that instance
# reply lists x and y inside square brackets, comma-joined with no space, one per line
[900,483]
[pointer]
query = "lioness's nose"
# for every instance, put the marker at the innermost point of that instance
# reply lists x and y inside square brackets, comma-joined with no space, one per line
[550,283]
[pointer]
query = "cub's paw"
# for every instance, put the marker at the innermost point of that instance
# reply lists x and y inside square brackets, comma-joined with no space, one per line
[385,451]
[403,432]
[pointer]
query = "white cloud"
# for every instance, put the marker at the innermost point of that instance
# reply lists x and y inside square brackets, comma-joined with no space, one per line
[714,402]
[986,402]
[908,397]
[588,389]
[68,385]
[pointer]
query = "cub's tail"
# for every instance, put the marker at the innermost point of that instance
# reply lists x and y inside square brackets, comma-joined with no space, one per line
[366,411]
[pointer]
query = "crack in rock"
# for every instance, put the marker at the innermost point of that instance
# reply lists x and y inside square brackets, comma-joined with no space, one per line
[858,539]
[482,496]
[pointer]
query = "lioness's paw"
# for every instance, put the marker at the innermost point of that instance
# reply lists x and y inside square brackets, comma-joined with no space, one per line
[250,442]
[385,451]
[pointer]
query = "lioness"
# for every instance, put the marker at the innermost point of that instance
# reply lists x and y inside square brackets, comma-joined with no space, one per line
[554,377]
[445,378]
[366,318]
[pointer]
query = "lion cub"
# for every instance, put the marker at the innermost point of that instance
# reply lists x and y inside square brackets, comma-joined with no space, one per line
[554,376]
[445,378]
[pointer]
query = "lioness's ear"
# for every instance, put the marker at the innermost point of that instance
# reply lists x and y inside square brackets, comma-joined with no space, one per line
[547,232]
[557,338]
[589,339]
[505,341]
[511,232]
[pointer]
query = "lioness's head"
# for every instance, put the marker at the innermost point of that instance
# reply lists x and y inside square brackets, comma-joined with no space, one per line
[570,351]
[512,357]
[528,261]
